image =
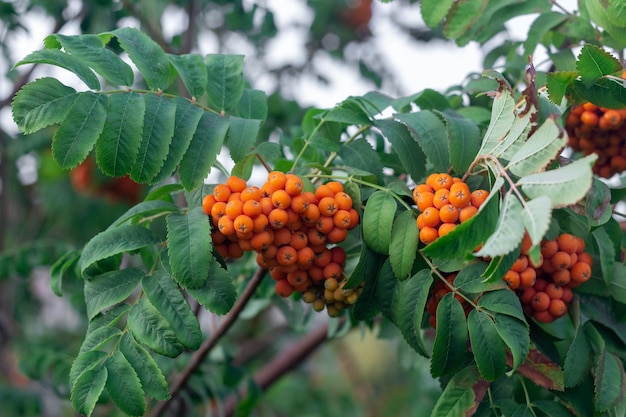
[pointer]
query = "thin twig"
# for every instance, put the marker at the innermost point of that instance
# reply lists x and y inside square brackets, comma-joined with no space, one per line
[199,356]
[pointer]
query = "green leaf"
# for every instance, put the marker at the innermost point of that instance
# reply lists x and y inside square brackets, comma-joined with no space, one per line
[409,153]
[59,268]
[144,209]
[403,245]
[451,337]
[594,62]
[98,338]
[165,295]
[158,129]
[203,149]
[502,301]
[433,11]
[608,381]
[90,49]
[124,386]
[149,327]
[87,390]
[606,251]
[536,218]
[386,282]
[189,247]
[359,154]
[114,241]
[252,105]
[578,360]
[85,362]
[192,71]
[427,99]
[366,271]
[509,230]
[487,345]
[469,281]
[218,293]
[543,24]
[430,133]
[541,148]
[41,103]
[409,301]
[515,335]
[461,395]
[108,289]
[187,117]
[464,142]
[502,118]
[65,61]
[378,220]
[225,85]
[564,186]
[147,55]
[462,16]
[79,130]
[558,83]
[551,408]
[152,379]
[117,146]
[242,136]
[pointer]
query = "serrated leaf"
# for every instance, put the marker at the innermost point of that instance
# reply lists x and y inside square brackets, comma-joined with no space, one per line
[464,142]
[433,11]
[144,209]
[108,289]
[516,136]
[498,267]
[187,117]
[462,16]
[386,282]
[468,280]
[117,146]
[541,148]
[165,295]
[502,118]
[202,152]
[558,83]
[65,61]
[564,186]
[578,360]
[509,230]
[90,49]
[115,241]
[551,408]
[158,129]
[536,218]
[461,395]
[542,371]
[86,362]
[242,136]
[252,105]
[41,103]
[59,268]
[147,55]
[515,335]
[409,301]
[430,133]
[427,99]
[542,25]
[403,245]
[109,318]
[123,385]
[218,293]
[149,327]
[192,71]
[451,338]
[189,247]
[152,379]
[87,389]
[607,381]
[79,130]
[378,216]
[502,301]
[409,153]
[225,84]
[359,154]
[366,271]
[594,62]
[96,339]
[606,251]
[487,346]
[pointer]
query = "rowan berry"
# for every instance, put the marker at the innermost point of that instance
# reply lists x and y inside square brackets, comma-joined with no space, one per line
[580,272]
[226,226]
[233,208]
[431,217]
[561,277]
[549,248]
[585,257]
[428,235]
[449,213]
[327,206]
[236,184]
[337,235]
[311,214]
[526,244]
[441,198]
[207,203]
[336,186]
[316,237]
[293,184]
[252,208]
[442,181]
[557,307]
[344,201]
[445,228]
[331,283]
[512,279]
[567,242]
[325,224]
[354,218]
[305,257]
[283,288]
[298,277]
[478,197]
[251,193]
[261,240]
[286,255]
[280,199]
[333,270]
[467,213]
[221,192]
[278,218]
[298,240]
[554,290]
[459,194]
[543,316]
[322,258]
[276,179]
[527,295]
[299,203]
[342,219]
[425,200]
[568,295]
[324,191]
[528,277]
[316,273]
[590,118]
[560,260]
[520,264]
[218,210]
[541,301]
[234,250]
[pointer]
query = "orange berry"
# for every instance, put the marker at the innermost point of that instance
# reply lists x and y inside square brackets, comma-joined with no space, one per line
[541,301]
[526,243]
[236,184]
[568,295]
[342,219]
[324,191]
[421,188]
[336,186]
[293,184]
[478,197]
[442,181]
[327,206]
[267,190]
[527,295]
[467,213]
[234,196]
[260,241]
[251,193]
[560,260]
[234,250]
[234,208]
[225,226]
[541,284]
[557,308]
[567,242]
[293,220]
[589,118]
[243,224]
[316,273]
[281,199]
[445,228]
[218,210]
[448,213]
[589,106]
[459,194]
[333,271]
[337,235]
[549,248]
[282,237]
[298,240]
[338,255]
[561,277]
[217,237]
[305,257]
[266,205]
[297,277]
[420,221]
[207,203]
[286,255]
[428,234]
[512,279]
[316,237]
[299,203]
[425,200]
[580,272]
[283,288]
[431,217]
[554,290]
[278,218]
[543,316]
[613,118]
[245,244]
[252,208]
[259,223]
[276,180]
[311,214]
[520,264]
[322,258]
[344,201]
[441,198]
[527,277]
[325,224]
[585,257]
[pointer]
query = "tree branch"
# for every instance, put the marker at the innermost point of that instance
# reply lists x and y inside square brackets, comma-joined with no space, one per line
[198,357]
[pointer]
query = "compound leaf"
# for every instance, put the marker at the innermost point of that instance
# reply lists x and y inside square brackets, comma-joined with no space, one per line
[541,148]
[124,385]
[225,81]
[149,327]
[242,136]
[192,71]
[152,379]
[65,61]
[430,133]
[87,390]
[110,288]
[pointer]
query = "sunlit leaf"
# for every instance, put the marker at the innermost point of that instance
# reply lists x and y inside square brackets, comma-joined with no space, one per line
[541,148]
[509,230]
[225,82]
[536,217]
[433,11]
[65,61]
[192,71]
[594,62]
[242,136]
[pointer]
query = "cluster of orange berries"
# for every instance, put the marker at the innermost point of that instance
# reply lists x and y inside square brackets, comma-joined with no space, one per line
[593,129]
[444,202]
[290,229]
[438,290]
[545,289]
